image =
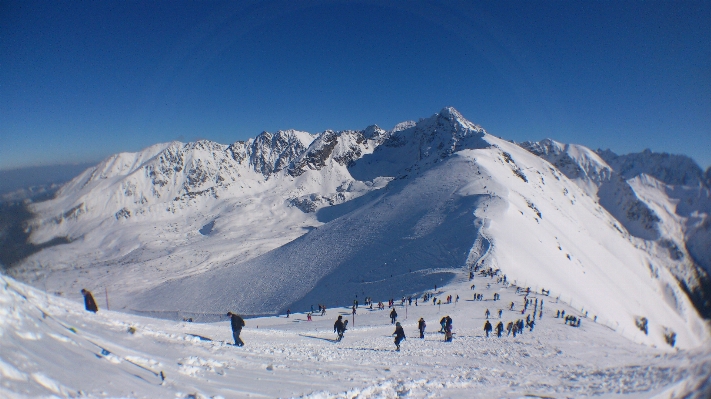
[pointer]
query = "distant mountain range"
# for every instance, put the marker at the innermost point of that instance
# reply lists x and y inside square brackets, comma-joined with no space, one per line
[292,219]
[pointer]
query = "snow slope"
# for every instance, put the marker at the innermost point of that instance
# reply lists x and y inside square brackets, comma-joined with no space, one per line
[51,347]
[288,222]
[661,198]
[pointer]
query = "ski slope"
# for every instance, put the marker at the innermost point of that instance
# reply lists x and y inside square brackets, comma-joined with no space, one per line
[51,347]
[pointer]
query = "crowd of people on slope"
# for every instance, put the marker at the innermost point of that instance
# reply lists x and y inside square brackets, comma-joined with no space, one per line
[516,327]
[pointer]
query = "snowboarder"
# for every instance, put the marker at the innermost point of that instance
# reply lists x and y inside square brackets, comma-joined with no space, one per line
[399,335]
[339,328]
[89,302]
[393,316]
[487,328]
[421,325]
[237,323]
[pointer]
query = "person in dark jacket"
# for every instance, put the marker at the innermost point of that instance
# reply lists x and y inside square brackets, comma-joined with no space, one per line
[393,316]
[421,325]
[89,302]
[487,328]
[339,328]
[499,329]
[237,324]
[399,335]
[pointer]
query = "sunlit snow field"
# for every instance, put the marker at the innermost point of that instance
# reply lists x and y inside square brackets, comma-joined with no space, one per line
[52,347]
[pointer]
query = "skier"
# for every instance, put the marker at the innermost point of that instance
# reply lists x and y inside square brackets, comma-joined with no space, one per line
[339,328]
[237,323]
[487,328]
[393,316]
[399,335]
[499,329]
[421,325]
[89,302]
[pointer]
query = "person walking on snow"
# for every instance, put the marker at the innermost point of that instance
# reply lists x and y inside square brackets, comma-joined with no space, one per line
[339,328]
[499,329]
[421,325]
[487,313]
[89,302]
[237,323]
[393,316]
[487,328]
[399,335]
[448,334]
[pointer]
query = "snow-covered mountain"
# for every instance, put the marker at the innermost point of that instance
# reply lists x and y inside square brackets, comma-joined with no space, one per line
[661,198]
[290,219]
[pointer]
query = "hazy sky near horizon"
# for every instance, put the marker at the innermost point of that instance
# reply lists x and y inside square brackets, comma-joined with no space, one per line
[82,80]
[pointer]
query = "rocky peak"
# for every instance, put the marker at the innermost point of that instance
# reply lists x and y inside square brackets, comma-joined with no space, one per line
[668,168]
[270,153]
[574,161]
[375,133]
[441,135]
[316,155]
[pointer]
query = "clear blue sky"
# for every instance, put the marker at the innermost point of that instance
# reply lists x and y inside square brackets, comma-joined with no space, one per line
[82,80]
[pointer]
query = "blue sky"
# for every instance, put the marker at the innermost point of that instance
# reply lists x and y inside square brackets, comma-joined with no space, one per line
[82,80]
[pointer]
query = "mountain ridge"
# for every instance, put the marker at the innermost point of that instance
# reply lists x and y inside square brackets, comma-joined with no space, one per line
[189,216]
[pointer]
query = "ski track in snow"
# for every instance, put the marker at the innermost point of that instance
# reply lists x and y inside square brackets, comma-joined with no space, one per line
[54,347]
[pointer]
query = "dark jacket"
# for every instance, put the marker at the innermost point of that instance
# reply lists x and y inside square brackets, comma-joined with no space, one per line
[237,322]
[89,302]
[399,333]
[338,326]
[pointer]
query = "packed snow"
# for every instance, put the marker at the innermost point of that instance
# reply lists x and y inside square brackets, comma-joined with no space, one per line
[52,347]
